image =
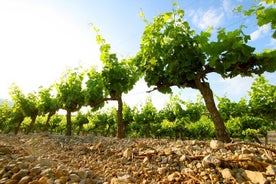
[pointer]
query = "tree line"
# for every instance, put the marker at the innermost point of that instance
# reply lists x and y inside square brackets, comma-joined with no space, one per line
[171,54]
[245,119]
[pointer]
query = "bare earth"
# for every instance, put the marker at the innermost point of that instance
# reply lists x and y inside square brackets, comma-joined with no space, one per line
[45,158]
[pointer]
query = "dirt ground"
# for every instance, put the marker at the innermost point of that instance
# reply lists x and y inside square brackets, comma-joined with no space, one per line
[45,158]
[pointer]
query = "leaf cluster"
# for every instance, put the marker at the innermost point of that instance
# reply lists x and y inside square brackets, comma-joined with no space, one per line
[172,54]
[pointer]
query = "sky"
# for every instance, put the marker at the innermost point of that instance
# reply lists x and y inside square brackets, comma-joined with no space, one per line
[40,39]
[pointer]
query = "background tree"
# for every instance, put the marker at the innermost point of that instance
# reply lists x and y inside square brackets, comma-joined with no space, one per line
[229,109]
[262,101]
[128,117]
[103,122]
[5,115]
[95,93]
[48,104]
[144,120]
[265,13]
[80,120]
[171,54]
[25,106]
[70,95]
[118,78]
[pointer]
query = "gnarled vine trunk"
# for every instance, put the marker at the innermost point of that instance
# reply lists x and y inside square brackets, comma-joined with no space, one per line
[33,118]
[47,124]
[121,129]
[69,123]
[206,92]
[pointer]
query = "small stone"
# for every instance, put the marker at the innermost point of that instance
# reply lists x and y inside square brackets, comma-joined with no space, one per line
[223,150]
[198,165]
[47,172]
[3,180]
[210,161]
[255,177]
[61,180]
[164,160]
[22,165]
[9,167]
[127,153]
[15,169]
[123,179]
[12,181]
[183,158]
[161,170]
[214,177]
[226,174]
[271,170]
[2,171]
[44,162]
[7,175]
[174,176]
[61,171]
[82,173]
[146,160]
[35,171]
[20,174]
[4,150]
[215,144]
[43,179]
[29,158]
[168,151]
[34,182]
[74,178]
[114,181]
[25,180]
[188,170]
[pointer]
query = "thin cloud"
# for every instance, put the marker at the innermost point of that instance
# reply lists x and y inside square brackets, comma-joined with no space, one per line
[204,19]
[238,86]
[260,32]
[272,43]
[227,6]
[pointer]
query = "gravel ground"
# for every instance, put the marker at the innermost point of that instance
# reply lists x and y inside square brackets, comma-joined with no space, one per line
[45,158]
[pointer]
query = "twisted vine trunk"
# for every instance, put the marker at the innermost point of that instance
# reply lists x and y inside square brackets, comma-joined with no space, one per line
[121,129]
[47,124]
[33,118]
[206,92]
[69,123]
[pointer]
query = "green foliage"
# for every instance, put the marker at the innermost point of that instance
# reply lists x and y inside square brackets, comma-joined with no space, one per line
[172,129]
[26,104]
[118,78]
[102,122]
[230,109]
[194,110]
[262,101]
[48,103]
[265,13]
[69,90]
[144,121]
[95,90]
[229,56]
[169,55]
[80,120]
[172,54]
[5,115]
[70,95]
[202,129]
[245,126]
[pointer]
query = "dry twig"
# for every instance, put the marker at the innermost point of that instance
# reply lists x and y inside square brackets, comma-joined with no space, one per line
[192,177]
[250,144]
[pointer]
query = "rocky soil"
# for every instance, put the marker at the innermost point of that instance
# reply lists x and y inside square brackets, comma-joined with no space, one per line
[45,158]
